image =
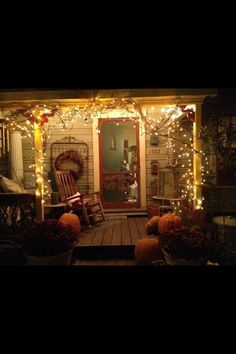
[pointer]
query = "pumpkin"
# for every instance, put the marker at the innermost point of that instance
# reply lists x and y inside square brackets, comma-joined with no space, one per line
[169,222]
[72,220]
[147,250]
[151,225]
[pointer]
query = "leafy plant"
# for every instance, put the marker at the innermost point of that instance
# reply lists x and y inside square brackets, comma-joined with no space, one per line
[49,238]
[184,243]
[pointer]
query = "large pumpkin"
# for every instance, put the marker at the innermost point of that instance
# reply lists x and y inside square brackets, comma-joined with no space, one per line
[151,225]
[147,250]
[72,220]
[169,222]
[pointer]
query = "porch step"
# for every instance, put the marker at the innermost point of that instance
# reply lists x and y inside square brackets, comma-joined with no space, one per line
[104,252]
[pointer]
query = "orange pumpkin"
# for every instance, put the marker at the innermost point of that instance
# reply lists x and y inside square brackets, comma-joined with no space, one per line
[151,225]
[72,220]
[169,222]
[147,250]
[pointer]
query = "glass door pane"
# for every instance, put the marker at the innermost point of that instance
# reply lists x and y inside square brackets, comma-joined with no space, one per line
[119,163]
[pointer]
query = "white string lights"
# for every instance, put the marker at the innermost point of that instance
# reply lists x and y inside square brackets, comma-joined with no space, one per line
[168,122]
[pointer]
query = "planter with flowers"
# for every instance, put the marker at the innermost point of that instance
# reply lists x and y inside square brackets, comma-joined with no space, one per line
[186,246]
[49,242]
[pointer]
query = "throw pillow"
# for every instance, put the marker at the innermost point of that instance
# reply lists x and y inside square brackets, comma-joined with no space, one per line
[9,186]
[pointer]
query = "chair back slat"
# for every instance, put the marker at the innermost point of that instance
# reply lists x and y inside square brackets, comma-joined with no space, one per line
[66,184]
[85,206]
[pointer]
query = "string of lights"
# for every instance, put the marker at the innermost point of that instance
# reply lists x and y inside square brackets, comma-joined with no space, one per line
[168,122]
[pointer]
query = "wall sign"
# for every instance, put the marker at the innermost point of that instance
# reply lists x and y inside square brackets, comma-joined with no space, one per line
[154,167]
[156,151]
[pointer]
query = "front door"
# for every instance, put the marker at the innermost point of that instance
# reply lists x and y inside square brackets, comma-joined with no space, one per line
[119,163]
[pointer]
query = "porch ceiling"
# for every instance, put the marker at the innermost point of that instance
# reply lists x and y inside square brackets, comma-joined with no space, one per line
[73,96]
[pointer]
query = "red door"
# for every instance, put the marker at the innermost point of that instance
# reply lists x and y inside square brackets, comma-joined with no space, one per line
[119,163]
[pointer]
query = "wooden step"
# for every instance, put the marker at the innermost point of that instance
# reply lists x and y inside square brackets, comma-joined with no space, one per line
[104,252]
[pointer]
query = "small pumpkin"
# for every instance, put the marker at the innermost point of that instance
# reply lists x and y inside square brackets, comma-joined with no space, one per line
[147,250]
[151,225]
[72,220]
[169,222]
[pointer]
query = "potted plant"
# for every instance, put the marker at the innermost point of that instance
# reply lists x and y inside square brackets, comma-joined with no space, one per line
[49,242]
[186,246]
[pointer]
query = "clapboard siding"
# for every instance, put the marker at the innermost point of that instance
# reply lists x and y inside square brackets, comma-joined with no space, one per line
[79,131]
[154,152]
[158,152]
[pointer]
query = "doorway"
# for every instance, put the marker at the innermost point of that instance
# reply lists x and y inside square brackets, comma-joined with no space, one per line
[119,163]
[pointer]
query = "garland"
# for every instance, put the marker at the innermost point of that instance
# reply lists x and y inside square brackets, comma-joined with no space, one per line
[70,155]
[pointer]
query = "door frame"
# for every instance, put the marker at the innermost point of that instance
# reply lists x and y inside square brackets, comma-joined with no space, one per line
[142,160]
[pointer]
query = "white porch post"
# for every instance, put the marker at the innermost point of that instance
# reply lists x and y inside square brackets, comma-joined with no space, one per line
[16,157]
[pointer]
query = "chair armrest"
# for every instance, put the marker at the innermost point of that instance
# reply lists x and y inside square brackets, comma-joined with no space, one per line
[88,194]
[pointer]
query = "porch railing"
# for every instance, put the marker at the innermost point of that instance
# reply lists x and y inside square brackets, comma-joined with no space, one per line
[17,211]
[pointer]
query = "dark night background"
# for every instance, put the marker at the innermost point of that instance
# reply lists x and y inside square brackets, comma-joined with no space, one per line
[68,59]
[51,55]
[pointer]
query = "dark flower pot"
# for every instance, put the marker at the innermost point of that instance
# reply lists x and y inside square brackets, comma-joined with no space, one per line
[177,261]
[61,259]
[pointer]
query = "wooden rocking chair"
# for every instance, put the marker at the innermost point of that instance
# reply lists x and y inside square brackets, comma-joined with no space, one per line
[85,206]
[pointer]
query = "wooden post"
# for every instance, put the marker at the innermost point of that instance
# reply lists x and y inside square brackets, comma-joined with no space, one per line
[38,144]
[197,161]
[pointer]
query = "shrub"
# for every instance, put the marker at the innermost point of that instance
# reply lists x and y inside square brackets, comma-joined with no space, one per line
[49,238]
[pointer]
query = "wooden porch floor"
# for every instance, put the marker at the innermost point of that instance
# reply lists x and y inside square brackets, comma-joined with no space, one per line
[115,231]
[111,242]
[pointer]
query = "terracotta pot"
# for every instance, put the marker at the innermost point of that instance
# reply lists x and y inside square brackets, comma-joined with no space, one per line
[153,210]
[60,259]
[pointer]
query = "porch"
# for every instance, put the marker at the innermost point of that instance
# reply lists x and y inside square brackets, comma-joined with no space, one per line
[110,242]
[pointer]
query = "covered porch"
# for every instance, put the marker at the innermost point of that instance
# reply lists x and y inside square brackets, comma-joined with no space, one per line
[162,164]
[154,163]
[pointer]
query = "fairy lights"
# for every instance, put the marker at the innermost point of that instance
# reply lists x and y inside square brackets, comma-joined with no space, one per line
[174,123]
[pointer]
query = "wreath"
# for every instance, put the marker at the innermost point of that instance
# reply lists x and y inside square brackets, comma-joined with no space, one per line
[70,155]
